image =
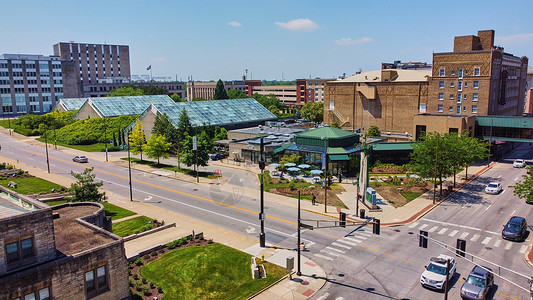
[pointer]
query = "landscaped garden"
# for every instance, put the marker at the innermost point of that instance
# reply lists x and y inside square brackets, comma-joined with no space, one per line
[198,269]
[172,168]
[135,225]
[28,184]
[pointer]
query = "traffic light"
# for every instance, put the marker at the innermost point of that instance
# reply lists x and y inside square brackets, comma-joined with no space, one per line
[423,242]
[461,248]
[375,228]
[261,165]
[342,218]
[329,180]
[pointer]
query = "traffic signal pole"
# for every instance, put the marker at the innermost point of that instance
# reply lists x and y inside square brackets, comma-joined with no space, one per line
[262,197]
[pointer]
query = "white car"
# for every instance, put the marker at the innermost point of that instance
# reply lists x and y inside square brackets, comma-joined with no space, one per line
[435,274]
[519,163]
[493,188]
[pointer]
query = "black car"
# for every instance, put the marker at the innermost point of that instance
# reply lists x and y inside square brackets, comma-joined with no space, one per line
[515,229]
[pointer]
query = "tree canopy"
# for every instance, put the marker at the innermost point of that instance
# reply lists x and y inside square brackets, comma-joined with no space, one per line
[236,94]
[131,90]
[157,147]
[164,127]
[220,92]
[524,189]
[176,98]
[137,139]
[85,189]
[203,145]
[313,111]
[373,131]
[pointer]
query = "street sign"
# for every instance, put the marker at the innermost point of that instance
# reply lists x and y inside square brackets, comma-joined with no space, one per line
[194,143]
[261,216]
[305,226]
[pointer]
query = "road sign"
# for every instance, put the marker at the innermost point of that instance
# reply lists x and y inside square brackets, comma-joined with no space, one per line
[305,226]
[194,143]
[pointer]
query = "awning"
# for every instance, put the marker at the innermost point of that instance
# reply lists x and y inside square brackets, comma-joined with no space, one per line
[339,157]
[278,150]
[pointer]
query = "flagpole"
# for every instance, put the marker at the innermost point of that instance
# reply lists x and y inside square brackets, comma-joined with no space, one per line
[151,78]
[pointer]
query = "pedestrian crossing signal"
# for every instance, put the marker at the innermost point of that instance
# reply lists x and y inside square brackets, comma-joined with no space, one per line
[342,218]
[376,226]
[423,242]
[461,247]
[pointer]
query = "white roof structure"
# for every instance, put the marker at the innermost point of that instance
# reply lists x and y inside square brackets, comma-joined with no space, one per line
[401,76]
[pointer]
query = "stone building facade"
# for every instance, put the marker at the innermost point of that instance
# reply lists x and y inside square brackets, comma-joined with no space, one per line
[58,253]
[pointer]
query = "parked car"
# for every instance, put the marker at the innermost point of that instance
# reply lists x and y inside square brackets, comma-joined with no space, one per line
[80,159]
[493,188]
[434,275]
[519,163]
[478,284]
[218,156]
[515,229]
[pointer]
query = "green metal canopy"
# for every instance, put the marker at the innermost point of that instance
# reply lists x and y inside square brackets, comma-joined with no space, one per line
[339,157]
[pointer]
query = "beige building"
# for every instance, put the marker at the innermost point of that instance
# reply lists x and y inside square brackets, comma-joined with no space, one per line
[285,93]
[206,90]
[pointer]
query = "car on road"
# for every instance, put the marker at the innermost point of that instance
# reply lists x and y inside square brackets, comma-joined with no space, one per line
[80,159]
[478,284]
[493,188]
[218,156]
[434,275]
[515,229]
[519,163]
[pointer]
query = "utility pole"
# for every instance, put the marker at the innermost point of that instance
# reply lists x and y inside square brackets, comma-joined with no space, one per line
[262,196]
[299,272]
[129,166]
[446,280]
[195,148]
[436,160]
[105,138]
[326,175]
[46,147]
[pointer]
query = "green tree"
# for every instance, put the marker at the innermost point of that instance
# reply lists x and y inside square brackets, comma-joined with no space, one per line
[268,100]
[220,133]
[313,111]
[236,94]
[472,150]
[176,97]
[153,90]
[373,131]
[127,90]
[203,145]
[220,92]
[524,189]
[198,99]
[85,189]
[335,125]
[157,147]
[137,139]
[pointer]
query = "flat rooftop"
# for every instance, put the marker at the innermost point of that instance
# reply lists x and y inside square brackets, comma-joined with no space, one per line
[72,237]
[11,205]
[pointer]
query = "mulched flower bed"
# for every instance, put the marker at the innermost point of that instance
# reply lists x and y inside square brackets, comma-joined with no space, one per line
[140,288]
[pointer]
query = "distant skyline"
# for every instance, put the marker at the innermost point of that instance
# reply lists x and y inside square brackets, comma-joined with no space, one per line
[211,40]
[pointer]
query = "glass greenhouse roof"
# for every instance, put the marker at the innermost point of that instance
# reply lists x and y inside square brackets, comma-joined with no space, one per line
[128,105]
[72,103]
[217,112]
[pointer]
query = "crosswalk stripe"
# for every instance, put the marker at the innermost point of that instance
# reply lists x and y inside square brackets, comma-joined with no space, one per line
[475,237]
[341,245]
[442,231]
[423,226]
[335,249]
[508,245]
[453,233]
[352,239]
[497,243]
[413,225]
[330,253]
[364,233]
[323,256]
[464,235]
[346,242]
[522,249]
[486,240]
[433,228]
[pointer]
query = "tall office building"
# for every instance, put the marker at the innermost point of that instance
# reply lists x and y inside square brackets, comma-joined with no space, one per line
[89,63]
[29,83]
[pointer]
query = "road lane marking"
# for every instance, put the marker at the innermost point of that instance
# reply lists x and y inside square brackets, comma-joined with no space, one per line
[475,237]
[341,245]
[346,242]
[516,179]
[335,249]
[413,225]
[364,233]
[433,228]
[461,226]
[488,207]
[508,245]
[503,192]
[389,255]
[353,240]
[410,262]
[486,240]
[442,231]
[522,249]
[497,243]
[512,214]
[372,249]
[423,226]
[464,235]
[453,233]
[499,176]
[323,256]
[330,253]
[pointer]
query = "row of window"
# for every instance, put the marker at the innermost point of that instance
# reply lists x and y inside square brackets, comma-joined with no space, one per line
[460,97]
[42,294]
[460,72]
[460,84]
[440,108]
[18,90]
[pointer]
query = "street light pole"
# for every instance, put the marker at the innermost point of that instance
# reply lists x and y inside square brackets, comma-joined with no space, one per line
[129,166]
[46,147]
[436,160]
[262,196]
[299,272]
[326,175]
[105,137]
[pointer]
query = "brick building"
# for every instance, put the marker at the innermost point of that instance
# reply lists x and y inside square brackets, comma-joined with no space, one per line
[477,78]
[58,253]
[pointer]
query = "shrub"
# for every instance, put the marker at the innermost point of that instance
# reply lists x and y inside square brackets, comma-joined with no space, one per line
[138,285]
[135,276]
[210,241]
[292,185]
[161,251]
[146,291]
[144,281]
[139,262]
[160,290]
[154,253]
[152,285]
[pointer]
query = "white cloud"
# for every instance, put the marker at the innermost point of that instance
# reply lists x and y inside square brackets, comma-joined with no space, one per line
[160,59]
[299,25]
[350,41]
[234,24]
[520,38]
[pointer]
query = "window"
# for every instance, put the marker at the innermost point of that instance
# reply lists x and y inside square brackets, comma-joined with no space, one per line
[459,97]
[465,97]
[441,96]
[451,108]
[440,108]
[96,281]
[12,252]
[458,109]
[441,72]
[476,84]
[453,72]
[422,108]
[19,250]
[476,71]
[459,85]
[441,84]
[474,109]
[475,96]
[460,73]
[451,96]
[452,84]
[466,84]
[27,248]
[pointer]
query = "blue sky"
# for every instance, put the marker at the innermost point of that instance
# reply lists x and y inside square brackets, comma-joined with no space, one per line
[297,39]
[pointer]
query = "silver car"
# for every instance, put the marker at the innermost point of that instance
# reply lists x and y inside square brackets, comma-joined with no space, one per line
[478,283]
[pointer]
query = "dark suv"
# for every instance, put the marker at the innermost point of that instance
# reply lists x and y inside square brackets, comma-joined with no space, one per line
[478,283]
[515,229]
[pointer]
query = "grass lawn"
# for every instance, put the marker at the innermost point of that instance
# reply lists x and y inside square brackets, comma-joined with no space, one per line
[304,197]
[115,212]
[98,147]
[410,196]
[128,227]
[208,272]
[30,185]
[169,167]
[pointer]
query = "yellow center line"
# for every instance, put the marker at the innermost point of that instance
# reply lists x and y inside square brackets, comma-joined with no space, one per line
[361,246]
[409,262]
[169,189]
[372,249]
[388,255]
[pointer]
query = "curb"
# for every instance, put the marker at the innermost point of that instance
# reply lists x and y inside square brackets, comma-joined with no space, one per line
[269,286]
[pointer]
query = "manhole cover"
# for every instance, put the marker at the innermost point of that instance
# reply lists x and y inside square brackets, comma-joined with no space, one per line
[304,282]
